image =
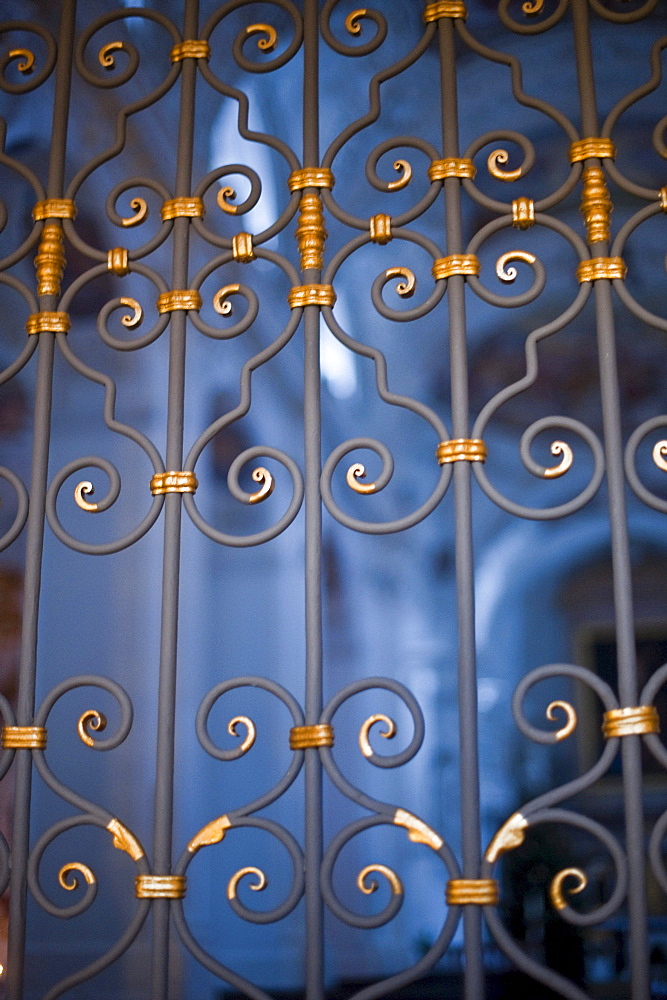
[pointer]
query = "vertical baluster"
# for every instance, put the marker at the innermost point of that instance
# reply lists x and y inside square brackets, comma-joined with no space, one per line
[164,776]
[313,511]
[467,665]
[35,531]
[622,572]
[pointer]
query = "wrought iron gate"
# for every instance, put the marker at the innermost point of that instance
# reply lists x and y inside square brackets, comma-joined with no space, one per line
[202,271]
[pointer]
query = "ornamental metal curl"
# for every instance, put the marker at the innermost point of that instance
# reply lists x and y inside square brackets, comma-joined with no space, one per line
[201,360]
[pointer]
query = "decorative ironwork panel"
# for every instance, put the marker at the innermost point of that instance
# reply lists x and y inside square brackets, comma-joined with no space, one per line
[192,191]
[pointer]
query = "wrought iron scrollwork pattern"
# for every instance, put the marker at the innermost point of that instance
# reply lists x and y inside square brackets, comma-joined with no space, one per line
[445,228]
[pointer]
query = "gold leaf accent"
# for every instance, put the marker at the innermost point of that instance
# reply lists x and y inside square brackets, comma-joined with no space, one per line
[380,229]
[267,44]
[160,886]
[50,260]
[556,887]
[85,487]
[451,166]
[445,8]
[28,58]
[510,835]
[73,883]
[405,289]
[105,55]
[307,737]
[123,840]
[138,314]
[140,207]
[236,878]
[354,474]
[242,250]
[461,450]
[596,206]
[225,194]
[54,208]
[455,263]
[48,322]
[418,831]
[173,482]
[191,48]
[311,233]
[251,731]
[352,21]
[179,298]
[94,720]
[179,208]
[660,455]
[118,261]
[311,295]
[523,213]
[317,177]
[472,891]
[212,833]
[509,274]
[571,715]
[559,448]
[502,156]
[404,179]
[369,887]
[221,303]
[635,721]
[585,149]
[23,738]
[601,267]
[263,476]
[388,733]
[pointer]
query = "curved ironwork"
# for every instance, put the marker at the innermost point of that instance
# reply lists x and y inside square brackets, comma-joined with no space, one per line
[203,220]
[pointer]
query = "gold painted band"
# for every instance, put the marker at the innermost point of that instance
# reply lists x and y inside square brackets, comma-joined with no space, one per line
[23,738]
[54,208]
[306,737]
[48,322]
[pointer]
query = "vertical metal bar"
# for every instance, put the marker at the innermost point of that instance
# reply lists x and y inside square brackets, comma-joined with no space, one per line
[35,535]
[620,547]
[465,577]
[313,541]
[164,776]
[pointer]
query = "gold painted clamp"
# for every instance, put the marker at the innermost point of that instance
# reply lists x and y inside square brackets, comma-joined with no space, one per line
[311,295]
[636,721]
[523,213]
[54,208]
[307,737]
[315,177]
[23,738]
[48,322]
[160,886]
[183,298]
[173,482]
[663,198]
[475,891]
[456,263]
[118,261]
[444,8]
[50,259]
[380,229]
[461,450]
[242,249]
[601,267]
[178,208]
[192,48]
[451,166]
[585,149]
